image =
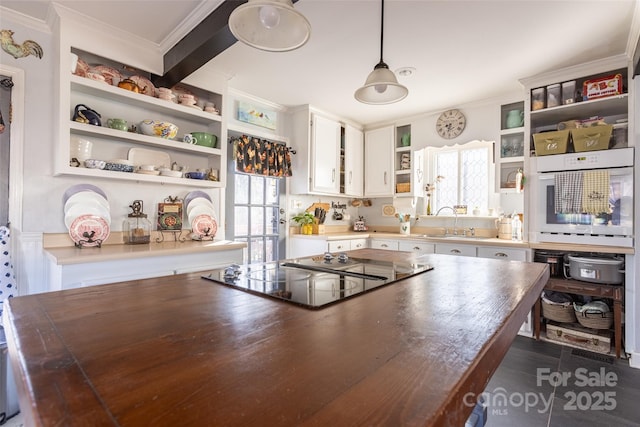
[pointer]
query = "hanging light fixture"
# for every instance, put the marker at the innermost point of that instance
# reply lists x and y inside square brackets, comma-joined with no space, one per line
[381,86]
[272,25]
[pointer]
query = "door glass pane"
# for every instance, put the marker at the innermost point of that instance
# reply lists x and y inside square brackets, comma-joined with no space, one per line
[241,192]
[271,243]
[241,221]
[271,193]
[256,249]
[271,223]
[257,190]
[257,220]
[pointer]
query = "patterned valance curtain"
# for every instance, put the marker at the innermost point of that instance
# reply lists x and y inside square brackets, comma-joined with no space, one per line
[261,157]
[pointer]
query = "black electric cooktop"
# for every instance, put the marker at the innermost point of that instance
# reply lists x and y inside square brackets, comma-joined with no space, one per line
[317,281]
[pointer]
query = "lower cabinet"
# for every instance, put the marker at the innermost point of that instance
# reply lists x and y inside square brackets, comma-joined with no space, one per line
[514,254]
[416,247]
[346,245]
[308,246]
[99,272]
[386,244]
[455,249]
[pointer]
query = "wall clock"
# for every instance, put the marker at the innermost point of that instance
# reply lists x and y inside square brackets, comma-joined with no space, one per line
[450,124]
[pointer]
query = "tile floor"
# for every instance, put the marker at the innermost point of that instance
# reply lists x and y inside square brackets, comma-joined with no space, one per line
[597,391]
[546,384]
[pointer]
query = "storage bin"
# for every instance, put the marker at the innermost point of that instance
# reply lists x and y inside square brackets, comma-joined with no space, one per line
[620,136]
[551,142]
[537,99]
[591,138]
[403,187]
[554,95]
[569,92]
[577,336]
[595,320]
[558,312]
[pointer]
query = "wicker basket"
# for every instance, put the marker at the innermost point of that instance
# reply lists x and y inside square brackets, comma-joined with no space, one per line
[558,313]
[403,187]
[595,319]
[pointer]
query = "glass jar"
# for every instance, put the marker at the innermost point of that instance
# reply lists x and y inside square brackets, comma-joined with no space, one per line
[136,228]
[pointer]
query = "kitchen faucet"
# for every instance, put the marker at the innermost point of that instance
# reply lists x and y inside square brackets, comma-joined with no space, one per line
[455,221]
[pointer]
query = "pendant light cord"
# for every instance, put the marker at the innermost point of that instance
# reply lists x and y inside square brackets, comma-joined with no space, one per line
[381,30]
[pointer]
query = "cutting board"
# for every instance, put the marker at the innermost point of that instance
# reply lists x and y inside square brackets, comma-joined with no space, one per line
[313,207]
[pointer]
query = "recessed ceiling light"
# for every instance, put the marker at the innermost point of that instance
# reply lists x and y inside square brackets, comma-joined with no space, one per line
[405,71]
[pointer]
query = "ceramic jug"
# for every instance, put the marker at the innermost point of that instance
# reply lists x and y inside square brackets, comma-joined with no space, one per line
[84,114]
[515,118]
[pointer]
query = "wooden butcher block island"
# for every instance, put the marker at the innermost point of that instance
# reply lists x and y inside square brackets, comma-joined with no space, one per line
[184,351]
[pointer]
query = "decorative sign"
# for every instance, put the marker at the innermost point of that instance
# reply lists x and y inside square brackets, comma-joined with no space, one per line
[256,116]
[169,216]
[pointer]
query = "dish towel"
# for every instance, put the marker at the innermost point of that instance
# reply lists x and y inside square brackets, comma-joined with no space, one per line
[568,197]
[7,277]
[595,192]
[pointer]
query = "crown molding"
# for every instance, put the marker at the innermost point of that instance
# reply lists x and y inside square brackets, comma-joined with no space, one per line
[189,23]
[22,19]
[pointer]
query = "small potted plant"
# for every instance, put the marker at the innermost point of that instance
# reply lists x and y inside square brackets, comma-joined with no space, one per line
[305,220]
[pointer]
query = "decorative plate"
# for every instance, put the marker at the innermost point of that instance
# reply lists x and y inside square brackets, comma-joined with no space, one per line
[89,230]
[170,221]
[145,84]
[109,73]
[82,187]
[204,225]
[388,210]
[194,194]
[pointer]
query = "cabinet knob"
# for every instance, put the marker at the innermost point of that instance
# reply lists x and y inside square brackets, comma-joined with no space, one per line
[455,251]
[385,178]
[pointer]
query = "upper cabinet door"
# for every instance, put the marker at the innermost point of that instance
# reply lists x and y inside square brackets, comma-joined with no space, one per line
[353,161]
[325,160]
[378,162]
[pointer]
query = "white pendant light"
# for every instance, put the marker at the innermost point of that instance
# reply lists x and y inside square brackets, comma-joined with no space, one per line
[381,86]
[272,25]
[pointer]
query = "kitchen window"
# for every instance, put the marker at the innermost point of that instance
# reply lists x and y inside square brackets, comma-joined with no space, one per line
[467,174]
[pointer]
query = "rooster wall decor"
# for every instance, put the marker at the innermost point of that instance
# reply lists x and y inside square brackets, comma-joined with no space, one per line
[28,47]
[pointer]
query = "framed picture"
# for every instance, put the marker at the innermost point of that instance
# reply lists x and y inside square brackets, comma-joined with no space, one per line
[257,116]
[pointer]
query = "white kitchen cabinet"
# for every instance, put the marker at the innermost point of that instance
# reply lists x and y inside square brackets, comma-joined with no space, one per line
[379,162]
[386,244]
[455,249]
[514,254]
[300,246]
[416,247]
[352,162]
[325,162]
[114,102]
[325,150]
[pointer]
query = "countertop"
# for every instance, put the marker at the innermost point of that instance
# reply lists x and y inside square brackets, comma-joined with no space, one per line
[182,350]
[71,255]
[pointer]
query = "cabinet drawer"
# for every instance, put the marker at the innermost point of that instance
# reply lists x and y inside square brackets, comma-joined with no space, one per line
[358,244]
[452,249]
[339,245]
[417,247]
[502,253]
[390,245]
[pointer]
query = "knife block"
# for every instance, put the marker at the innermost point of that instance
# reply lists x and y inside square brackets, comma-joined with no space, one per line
[318,229]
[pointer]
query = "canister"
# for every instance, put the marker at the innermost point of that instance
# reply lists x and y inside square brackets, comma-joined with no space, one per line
[554,93]
[568,92]
[504,228]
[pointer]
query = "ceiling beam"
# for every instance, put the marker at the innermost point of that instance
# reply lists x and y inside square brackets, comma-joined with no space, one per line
[206,41]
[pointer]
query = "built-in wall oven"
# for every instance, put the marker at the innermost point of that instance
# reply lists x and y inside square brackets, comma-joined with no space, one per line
[567,184]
